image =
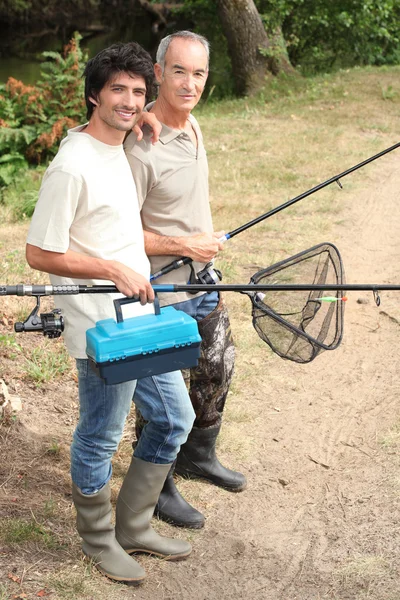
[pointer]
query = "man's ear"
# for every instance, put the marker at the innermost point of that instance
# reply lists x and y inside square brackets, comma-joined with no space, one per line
[158,72]
[93,101]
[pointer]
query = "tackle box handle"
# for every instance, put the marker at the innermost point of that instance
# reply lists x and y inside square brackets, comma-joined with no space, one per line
[121,301]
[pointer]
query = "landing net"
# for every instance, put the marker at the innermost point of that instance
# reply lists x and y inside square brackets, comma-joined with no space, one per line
[298,325]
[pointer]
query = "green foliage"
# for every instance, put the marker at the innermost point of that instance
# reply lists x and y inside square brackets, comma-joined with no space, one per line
[22,193]
[15,8]
[10,165]
[33,119]
[14,11]
[274,12]
[320,35]
[325,34]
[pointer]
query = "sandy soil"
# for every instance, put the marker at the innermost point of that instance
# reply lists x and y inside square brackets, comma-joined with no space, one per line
[320,518]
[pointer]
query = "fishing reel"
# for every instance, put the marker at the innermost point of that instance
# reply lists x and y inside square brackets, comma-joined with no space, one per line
[51,323]
[208,276]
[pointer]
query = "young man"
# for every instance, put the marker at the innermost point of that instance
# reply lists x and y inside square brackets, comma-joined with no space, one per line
[86,229]
[172,182]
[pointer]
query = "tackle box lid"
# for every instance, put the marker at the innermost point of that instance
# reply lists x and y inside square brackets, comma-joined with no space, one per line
[168,328]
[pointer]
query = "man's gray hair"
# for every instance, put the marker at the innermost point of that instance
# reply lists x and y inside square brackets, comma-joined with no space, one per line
[187,35]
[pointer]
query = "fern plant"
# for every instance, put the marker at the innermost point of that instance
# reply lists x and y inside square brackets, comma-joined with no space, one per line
[33,119]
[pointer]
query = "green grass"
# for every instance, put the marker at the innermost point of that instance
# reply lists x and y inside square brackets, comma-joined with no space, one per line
[45,364]
[70,585]
[4,594]
[13,262]
[83,581]
[50,508]
[19,531]
[390,441]
[54,449]
[8,342]
[21,196]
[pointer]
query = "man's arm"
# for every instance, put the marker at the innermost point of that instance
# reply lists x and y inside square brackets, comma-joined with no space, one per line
[201,247]
[75,265]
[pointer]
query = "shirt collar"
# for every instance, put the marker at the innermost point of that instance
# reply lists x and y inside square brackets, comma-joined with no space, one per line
[168,134]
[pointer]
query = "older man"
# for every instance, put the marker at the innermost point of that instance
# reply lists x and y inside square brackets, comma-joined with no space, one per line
[172,183]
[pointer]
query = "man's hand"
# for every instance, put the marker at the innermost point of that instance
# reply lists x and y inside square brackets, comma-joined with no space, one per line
[131,283]
[151,120]
[202,247]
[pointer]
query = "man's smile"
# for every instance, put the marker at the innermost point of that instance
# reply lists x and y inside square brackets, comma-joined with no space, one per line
[125,114]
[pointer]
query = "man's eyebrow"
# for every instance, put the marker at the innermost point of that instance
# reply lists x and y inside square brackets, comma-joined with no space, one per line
[176,66]
[121,85]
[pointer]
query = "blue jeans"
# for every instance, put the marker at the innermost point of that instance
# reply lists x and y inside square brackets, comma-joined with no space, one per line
[102,415]
[164,403]
[199,308]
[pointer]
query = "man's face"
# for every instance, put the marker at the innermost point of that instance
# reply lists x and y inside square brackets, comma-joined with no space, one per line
[185,74]
[121,101]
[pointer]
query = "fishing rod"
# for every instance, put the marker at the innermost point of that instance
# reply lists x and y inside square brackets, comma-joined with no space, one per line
[208,275]
[296,319]
[52,323]
[67,290]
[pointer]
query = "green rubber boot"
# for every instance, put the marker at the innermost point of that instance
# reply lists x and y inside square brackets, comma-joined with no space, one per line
[99,542]
[135,507]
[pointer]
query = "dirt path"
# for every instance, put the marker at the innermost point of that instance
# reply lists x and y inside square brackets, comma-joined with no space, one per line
[320,518]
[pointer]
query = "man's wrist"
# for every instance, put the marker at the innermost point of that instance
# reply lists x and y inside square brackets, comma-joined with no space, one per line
[180,245]
[111,269]
[159,245]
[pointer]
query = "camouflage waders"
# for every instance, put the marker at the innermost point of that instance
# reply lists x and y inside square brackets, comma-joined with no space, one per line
[209,382]
[208,386]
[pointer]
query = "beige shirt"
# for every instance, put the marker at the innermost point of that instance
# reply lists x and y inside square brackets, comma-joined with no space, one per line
[85,204]
[172,184]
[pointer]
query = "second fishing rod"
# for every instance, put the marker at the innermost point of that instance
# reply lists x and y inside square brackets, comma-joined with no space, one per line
[209,275]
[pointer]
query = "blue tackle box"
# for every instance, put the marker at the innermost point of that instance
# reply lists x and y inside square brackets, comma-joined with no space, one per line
[122,350]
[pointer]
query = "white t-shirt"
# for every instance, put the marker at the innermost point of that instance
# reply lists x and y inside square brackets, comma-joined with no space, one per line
[88,203]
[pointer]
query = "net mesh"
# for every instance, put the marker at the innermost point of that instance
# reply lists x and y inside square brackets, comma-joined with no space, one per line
[298,325]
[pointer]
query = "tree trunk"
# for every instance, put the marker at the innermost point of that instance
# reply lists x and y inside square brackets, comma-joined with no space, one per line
[252,53]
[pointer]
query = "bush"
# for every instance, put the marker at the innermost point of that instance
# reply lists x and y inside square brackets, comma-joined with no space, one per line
[33,119]
[326,34]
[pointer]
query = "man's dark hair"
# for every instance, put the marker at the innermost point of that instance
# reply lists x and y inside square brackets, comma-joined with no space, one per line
[128,58]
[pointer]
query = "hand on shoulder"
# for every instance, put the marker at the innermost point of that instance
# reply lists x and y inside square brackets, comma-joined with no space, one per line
[151,120]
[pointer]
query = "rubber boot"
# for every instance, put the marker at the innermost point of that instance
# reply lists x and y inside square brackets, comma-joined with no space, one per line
[197,459]
[174,509]
[94,525]
[135,507]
